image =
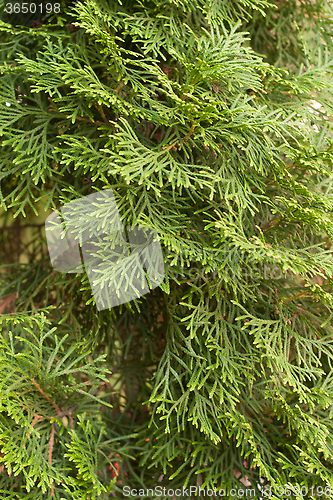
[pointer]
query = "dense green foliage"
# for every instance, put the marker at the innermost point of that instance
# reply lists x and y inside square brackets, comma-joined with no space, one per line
[203,117]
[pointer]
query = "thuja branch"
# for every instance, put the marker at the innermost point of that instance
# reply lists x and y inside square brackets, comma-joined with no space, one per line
[57,114]
[189,133]
[272,181]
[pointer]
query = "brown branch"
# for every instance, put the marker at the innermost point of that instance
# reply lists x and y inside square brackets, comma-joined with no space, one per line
[272,223]
[101,112]
[275,222]
[189,133]
[7,302]
[121,84]
[66,413]
[51,442]
[171,145]
[70,411]
[55,406]
[34,422]
[107,29]
[71,422]
[87,120]
[298,296]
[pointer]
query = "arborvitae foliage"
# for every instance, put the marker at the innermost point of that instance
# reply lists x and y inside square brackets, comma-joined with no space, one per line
[211,122]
